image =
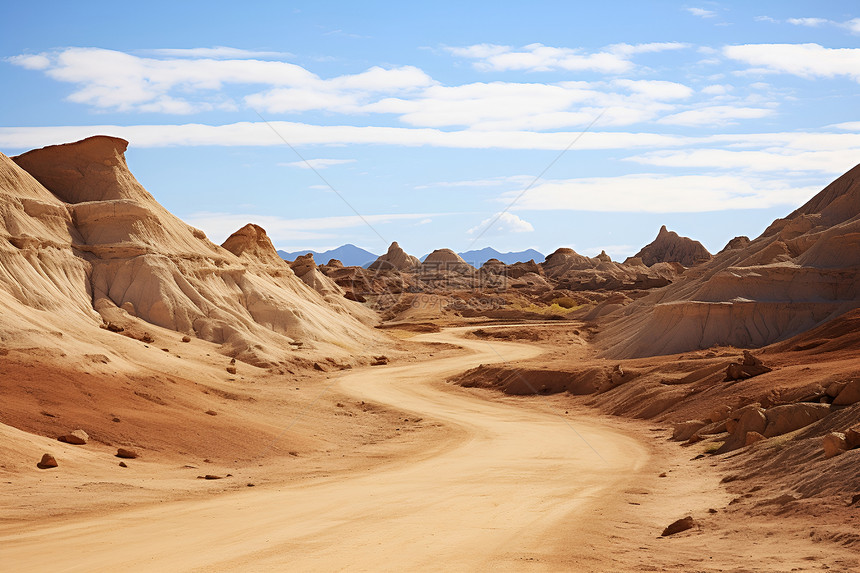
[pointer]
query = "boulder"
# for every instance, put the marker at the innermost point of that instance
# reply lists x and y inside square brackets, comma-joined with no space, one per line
[750,419]
[790,417]
[713,428]
[678,526]
[753,437]
[684,430]
[749,367]
[76,437]
[849,394]
[852,437]
[834,388]
[47,461]
[834,444]
[126,454]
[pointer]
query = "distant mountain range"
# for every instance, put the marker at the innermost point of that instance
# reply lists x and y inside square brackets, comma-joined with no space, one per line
[352,256]
[481,256]
[349,255]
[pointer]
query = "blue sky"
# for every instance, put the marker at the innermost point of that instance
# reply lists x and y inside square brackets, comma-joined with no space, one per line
[458,125]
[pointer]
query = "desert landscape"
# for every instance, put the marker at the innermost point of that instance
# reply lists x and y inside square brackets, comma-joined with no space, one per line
[171,404]
[448,286]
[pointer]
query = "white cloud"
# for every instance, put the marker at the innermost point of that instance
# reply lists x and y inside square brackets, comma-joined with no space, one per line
[717,89]
[30,61]
[701,12]
[504,222]
[852,26]
[810,22]
[540,58]
[491,182]
[848,125]
[317,163]
[112,80]
[535,106]
[804,60]
[654,193]
[777,160]
[715,115]
[262,134]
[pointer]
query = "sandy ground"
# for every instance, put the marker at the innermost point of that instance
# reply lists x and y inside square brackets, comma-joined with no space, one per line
[511,484]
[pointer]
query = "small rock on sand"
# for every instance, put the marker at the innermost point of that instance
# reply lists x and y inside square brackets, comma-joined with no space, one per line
[123,465]
[48,461]
[127,454]
[75,437]
[678,526]
[834,444]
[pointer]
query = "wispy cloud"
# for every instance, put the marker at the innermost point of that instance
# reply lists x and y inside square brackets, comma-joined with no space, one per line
[701,12]
[540,58]
[804,60]
[810,22]
[716,115]
[261,134]
[779,160]
[491,182]
[655,193]
[852,25]
[317,163]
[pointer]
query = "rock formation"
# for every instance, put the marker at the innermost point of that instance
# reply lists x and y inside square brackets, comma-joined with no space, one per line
[82,240]
[396,259]
[669,247]
[445,260]
[801,272]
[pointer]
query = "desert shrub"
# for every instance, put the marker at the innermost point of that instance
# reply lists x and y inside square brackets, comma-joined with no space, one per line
[565,302]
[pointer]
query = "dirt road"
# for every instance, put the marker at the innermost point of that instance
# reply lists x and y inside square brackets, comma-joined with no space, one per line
[512,489]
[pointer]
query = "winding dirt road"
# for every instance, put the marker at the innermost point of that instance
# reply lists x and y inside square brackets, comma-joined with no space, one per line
[512,489]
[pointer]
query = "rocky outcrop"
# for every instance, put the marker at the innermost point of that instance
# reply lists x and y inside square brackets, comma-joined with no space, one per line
[750,366]
[736,243]
[395,259]
[803,271]
[669,247]
[251,241]
[442,261]
[81,239]
[750,418]
[790,417]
